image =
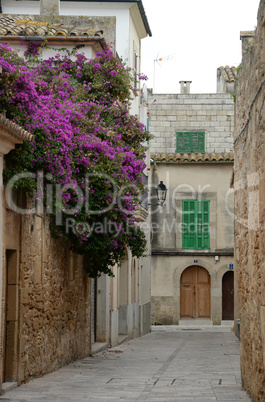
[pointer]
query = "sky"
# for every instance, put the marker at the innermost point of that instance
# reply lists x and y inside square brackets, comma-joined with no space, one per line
[194,38]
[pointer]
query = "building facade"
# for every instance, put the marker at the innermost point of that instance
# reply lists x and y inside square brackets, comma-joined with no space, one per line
[52,312]
[249,186]
[128,19]
[192,234]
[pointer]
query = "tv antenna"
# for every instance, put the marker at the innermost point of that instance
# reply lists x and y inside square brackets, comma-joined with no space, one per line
[170,57]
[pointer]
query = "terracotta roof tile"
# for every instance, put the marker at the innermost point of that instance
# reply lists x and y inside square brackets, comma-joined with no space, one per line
[229,73]
[15,128]
[193,157]
[25,25]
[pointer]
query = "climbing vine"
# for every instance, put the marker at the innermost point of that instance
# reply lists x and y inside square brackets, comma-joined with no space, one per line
[87,148]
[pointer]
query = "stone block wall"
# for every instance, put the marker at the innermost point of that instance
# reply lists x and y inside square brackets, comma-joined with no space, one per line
[211,113]
[49,300]
[250,208]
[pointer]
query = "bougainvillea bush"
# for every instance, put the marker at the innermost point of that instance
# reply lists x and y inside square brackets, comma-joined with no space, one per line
[87,147]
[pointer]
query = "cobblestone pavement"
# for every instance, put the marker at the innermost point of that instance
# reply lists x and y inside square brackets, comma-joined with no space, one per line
[169,364]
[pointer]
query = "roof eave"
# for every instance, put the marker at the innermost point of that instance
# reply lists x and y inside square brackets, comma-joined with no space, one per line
[70,39]
[140,5]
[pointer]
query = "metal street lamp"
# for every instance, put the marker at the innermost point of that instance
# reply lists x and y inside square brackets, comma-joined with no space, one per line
[161,192]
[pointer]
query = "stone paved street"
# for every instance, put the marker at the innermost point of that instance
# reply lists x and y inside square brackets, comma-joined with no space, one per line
[169,364]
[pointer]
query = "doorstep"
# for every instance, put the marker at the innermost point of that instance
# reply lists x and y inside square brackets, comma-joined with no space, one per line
[98,347]
[122,338]
[195,322]
[7,386]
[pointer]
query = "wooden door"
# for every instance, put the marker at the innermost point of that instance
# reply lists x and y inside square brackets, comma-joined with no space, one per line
[228,296]
[195,293]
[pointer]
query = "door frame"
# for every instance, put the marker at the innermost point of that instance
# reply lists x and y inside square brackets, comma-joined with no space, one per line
[222,289]
[194,288]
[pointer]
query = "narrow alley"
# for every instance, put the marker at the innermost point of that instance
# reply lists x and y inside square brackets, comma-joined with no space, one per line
[171,363]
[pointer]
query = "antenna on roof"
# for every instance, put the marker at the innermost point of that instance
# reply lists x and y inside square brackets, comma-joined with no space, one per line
[170,57]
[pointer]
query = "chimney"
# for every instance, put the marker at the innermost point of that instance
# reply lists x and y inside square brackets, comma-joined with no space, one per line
[246,40]
[49,7]
[185,87]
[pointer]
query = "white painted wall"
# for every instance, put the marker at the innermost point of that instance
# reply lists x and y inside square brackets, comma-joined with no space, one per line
[134,45]
[88,50]
[20,7]
[120,10]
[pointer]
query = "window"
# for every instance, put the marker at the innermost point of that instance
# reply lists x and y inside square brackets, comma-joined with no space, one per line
[191,141]
[195,224]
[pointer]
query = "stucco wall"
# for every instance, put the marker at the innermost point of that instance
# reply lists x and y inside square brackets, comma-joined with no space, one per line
[27,7]
[97,9]
[190,181]
[166,285]
[250,209]
[210,181]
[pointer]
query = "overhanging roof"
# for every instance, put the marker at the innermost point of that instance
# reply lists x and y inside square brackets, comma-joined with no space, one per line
[138,2]
[222,157]
[11,134]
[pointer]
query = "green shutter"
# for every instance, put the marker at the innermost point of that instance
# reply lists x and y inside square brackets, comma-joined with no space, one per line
[185,223]
[180,142]
[186,146]
[201,143]
[190,142]
[194,142]
[195,225]
[206,225]
[183,142]
[199,225]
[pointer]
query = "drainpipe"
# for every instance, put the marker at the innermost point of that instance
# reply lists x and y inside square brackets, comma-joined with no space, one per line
[1,7]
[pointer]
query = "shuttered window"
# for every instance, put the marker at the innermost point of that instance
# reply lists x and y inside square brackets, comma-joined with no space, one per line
[191,141]
[195,224]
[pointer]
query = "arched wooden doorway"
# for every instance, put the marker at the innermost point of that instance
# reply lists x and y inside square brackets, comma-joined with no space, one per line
[228,296]
[195,293]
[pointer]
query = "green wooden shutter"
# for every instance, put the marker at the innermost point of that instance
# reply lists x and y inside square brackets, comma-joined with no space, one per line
[194,142]
[180,142]
[185,224]
[187,144]
[195,225]
[192,225]
[199,225]
[190,142]
[206,224]
[183,142]
[203,232]
[189,224]
[200,142]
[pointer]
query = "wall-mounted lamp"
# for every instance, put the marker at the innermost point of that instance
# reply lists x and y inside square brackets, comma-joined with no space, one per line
[161,192]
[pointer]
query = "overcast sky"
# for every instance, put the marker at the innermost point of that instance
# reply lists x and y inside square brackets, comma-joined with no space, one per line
[201,35]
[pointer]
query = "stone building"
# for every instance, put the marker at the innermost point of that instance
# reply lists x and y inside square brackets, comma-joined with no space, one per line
[45,315]
[249,187]
[10,135]
[52,312]
[192,234]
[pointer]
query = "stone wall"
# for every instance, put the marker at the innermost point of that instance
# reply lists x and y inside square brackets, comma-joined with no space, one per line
[48,300]
[250,208]
[211,113]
